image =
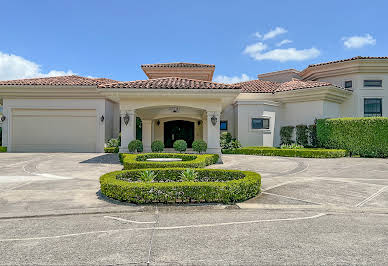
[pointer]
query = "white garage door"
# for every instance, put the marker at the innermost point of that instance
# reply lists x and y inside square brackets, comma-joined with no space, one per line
[59,130]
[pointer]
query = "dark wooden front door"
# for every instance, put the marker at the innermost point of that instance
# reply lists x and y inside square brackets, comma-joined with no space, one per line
[178,129]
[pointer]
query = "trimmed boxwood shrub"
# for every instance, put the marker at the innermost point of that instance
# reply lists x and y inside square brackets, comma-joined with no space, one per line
[213,185]
[3,149]
[135,146]
[305,153]
[312,132]
[180,145]
[367,137]
[302,135]
[139,161]
[286,134]
[157,146]
[111,149]
[199,146]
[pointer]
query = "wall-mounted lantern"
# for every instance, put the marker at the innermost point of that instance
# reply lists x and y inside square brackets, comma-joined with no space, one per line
[126,119]
[199,122]
[158,123]
[3,118]
[102,118]
[214,120]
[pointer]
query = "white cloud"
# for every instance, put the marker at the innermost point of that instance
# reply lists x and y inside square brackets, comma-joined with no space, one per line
[255,48]
[258,35]
[234,79]
[359,41]
[282,55]
[17,67]
[273,33]
[286,41]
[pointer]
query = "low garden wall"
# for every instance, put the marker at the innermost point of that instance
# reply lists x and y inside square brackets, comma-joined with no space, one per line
[211,185]
[367,137]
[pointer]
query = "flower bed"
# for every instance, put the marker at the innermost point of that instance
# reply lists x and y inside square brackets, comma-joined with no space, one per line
[304,153]
[139,161]
[211,185]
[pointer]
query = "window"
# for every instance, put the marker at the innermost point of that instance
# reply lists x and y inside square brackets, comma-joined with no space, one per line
[260,123]
[373,107]
[373,83]
[348,84]
[223,125]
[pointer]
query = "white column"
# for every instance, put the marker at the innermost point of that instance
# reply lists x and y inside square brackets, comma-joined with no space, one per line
[147,134]
[128,132]
[213,133]
[204,128]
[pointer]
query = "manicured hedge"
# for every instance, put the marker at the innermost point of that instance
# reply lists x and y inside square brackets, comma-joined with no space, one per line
[305,153]
[138,161]
[3,149]
[214,185]
[111,149]
[367,137]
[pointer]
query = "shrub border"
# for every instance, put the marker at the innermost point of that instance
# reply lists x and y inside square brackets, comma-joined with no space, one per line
[304,153]
[200,160]
[111,149]
[3,149]
[138,192]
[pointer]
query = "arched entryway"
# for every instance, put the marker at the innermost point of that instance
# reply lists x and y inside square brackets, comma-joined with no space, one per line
[178,129]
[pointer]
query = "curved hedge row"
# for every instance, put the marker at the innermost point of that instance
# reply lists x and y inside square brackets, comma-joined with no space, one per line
[214,185]
[138,161]
[367,137]
[304,153]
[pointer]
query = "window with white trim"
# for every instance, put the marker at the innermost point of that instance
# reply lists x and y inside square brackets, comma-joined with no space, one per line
[373,107]
[260,123]
[373,83]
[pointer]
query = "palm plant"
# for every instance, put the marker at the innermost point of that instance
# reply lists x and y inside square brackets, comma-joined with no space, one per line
[189,175]
[147,176]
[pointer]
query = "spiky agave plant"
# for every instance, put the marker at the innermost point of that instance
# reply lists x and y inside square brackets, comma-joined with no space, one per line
[147,176]
[189,175]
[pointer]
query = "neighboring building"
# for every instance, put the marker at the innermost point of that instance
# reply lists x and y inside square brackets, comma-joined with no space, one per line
[180,101]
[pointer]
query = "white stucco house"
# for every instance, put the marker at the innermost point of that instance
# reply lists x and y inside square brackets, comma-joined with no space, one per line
[180,101]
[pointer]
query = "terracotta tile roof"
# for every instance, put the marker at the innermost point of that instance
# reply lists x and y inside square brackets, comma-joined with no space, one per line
[349,59]
[262,86]
[296,84]
[170,83]
[177,64]
[72,80]
[258,86]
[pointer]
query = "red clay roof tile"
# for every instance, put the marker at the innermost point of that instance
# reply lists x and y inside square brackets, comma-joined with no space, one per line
[72,80]
[170,83]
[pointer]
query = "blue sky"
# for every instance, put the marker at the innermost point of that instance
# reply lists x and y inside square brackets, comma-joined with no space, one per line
[242,38]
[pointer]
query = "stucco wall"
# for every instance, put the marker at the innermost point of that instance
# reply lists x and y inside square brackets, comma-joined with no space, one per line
[354,105]
[256,137]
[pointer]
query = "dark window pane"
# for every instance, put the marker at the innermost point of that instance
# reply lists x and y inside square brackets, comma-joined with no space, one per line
[348,84]
[260,123]
[373,107]
[373,83]
[224,125]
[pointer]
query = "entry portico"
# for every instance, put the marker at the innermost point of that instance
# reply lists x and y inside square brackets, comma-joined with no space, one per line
[163,100]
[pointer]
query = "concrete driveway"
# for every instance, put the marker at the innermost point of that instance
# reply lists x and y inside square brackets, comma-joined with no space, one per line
[312,212]
[36,183]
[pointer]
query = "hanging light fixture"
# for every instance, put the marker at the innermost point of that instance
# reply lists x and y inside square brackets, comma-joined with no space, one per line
[158,123]
[102,118]
[3,118]
[126,119]
[214,120]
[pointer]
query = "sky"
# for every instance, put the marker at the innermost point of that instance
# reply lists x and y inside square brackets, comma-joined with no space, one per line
[242,38]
